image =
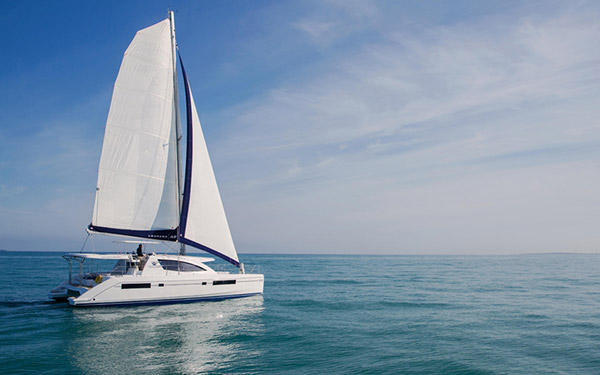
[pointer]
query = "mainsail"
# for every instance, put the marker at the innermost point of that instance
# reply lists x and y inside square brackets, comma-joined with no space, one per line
[137,182]
[138,176]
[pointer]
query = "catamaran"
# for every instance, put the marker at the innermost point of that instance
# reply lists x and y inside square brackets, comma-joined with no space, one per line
[141,192]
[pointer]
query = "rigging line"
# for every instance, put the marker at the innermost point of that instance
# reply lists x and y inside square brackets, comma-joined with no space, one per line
[84,242]
[169,248]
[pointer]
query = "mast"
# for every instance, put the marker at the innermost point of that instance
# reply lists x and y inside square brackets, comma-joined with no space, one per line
[177,121]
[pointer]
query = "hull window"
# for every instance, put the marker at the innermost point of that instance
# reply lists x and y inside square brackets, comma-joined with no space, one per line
[223,282]
[135,286]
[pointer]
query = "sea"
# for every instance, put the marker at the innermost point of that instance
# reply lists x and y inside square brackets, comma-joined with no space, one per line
[322,314]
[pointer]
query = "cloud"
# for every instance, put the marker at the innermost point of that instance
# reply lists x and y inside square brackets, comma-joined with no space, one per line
[332,21]
[416,91]
[435,115]
[314,28]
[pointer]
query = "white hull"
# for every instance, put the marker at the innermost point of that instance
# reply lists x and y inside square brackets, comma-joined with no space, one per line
[155,285]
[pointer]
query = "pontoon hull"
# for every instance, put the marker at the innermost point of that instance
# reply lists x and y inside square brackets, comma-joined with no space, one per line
[136,290]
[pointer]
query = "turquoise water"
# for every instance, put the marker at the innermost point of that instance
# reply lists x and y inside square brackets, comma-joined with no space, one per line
[527,314]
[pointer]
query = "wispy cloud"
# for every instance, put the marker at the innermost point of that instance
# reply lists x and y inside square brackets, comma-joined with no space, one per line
[315,29]
[457,107]
[455,80]
[332,21]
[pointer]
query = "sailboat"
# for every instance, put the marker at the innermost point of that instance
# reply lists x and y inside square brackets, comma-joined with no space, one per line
[143,192]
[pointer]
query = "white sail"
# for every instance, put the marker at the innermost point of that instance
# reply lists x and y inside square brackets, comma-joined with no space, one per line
[137,176]
[204,223]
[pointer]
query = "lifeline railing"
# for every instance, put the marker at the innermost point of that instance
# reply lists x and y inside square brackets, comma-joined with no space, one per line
[227,268]
[253,268]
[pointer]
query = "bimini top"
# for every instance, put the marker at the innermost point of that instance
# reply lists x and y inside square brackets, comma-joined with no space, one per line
[125,256]
[96,256]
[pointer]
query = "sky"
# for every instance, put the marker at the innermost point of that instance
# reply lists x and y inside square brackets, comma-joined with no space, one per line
[361,127]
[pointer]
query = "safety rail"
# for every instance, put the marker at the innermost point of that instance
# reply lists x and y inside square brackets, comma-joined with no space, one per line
[230,269]
[252,268]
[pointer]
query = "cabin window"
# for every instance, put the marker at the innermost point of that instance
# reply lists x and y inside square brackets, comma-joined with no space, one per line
[135,286]
[121,267]
[223,282]
[173,265]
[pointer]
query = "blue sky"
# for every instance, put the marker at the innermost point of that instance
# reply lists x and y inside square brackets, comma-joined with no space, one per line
[334,126]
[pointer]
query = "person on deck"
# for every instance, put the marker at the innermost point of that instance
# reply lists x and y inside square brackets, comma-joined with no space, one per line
[139,251]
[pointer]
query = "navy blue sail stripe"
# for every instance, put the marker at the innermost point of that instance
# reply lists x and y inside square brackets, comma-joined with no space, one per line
[187,185]
[209,250]
[160,234]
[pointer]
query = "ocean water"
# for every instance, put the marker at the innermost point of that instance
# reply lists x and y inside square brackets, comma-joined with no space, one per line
[334,314]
